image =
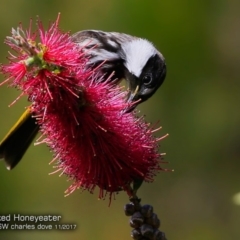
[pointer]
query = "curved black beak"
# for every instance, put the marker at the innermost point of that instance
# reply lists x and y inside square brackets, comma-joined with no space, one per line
[133,99]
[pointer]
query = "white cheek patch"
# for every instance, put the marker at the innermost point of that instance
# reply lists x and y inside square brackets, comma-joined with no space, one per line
[137,53]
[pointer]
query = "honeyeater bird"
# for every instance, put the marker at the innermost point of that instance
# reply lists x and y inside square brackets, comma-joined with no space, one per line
[131,58]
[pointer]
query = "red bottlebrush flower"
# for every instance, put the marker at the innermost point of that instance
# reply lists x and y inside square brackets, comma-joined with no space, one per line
[81,114]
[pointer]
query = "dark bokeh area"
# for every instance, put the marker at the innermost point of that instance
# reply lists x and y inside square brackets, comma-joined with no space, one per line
[197,105]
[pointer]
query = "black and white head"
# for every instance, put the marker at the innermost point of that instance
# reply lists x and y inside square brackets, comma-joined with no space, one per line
[131,58]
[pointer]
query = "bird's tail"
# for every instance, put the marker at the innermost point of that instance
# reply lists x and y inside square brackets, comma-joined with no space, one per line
[18,139]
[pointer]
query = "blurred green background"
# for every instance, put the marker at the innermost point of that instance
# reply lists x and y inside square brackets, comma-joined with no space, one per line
[197,105]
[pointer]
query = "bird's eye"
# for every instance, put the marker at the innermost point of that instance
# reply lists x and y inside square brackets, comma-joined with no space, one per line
[147,79]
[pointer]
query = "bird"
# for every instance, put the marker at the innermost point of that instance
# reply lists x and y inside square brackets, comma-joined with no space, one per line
[131,58]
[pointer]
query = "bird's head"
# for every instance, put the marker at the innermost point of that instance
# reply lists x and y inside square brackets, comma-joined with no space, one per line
[145,70]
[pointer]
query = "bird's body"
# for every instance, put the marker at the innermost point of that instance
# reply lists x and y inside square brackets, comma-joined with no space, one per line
[134,59]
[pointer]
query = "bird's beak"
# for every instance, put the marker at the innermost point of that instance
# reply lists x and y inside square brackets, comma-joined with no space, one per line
[133,100]
[132,104]
[133,95]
